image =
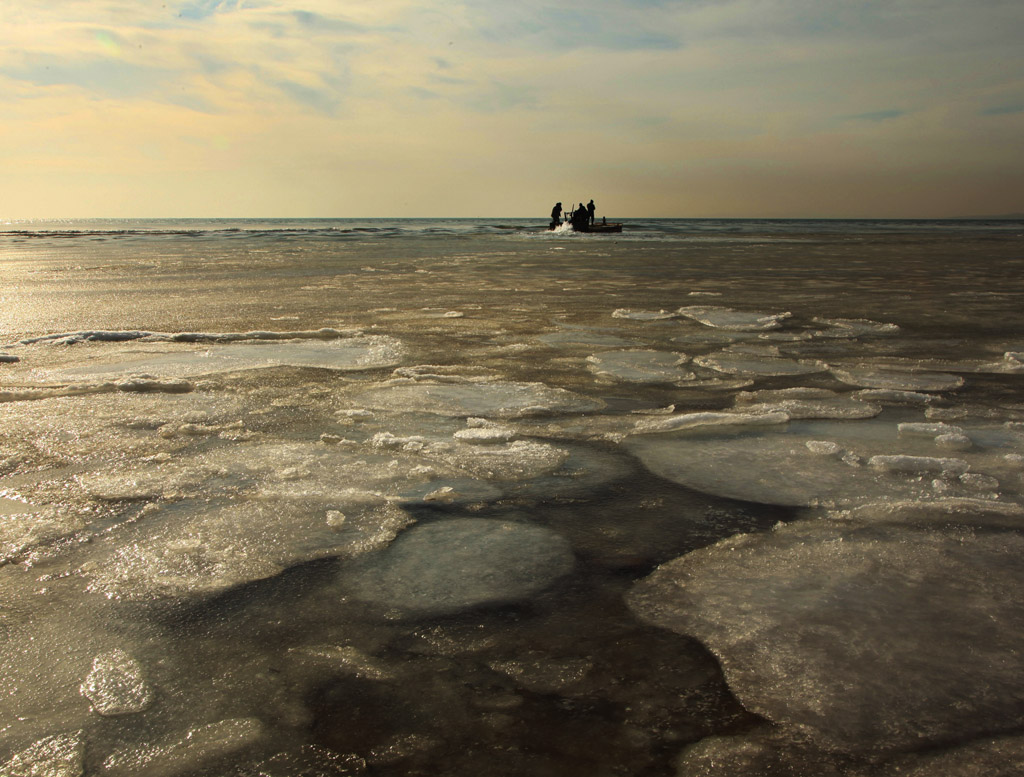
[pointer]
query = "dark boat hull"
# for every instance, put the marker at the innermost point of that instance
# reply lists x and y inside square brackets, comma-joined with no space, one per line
[600,229]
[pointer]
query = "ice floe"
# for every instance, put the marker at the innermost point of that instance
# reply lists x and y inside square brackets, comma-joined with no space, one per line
[645,315]
[866,638]
[454,565]
[852,327]
[938,513]
[806,403]
[117,685]
[586,337]
[784,463]
[919,465]
[498,399]
[136,383]
[640,366]
[674,423]
[170,359]
[189,751]
[204,550]
[23,526]
[120,336]
[999,756]
[734,320]
[59,755]
[894,397]
[888,378]
[740,363]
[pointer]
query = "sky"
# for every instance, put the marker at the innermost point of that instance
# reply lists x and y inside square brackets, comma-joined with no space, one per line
[488,108]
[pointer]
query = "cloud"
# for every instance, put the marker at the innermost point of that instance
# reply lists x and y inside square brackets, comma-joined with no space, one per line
[1003,110]
[877,115]
[730,93]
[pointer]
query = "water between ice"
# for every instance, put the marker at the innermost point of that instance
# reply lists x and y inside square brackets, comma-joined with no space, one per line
[347,551]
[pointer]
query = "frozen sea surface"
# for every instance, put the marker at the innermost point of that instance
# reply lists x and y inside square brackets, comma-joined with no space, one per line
[456,497]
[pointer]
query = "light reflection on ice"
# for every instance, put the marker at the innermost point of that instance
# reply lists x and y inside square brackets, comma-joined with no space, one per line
[641,366]
[783,465]
[734,320]
[360,352]
[819,621]
[499,399]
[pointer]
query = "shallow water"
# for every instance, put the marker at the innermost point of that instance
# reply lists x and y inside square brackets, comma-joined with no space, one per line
[386,497]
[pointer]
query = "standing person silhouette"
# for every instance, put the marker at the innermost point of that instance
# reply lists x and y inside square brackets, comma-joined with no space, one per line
[590,210]
[556,215]
[579,218]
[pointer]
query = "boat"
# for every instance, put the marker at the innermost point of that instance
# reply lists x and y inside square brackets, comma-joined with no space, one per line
[583,224]
[602,228]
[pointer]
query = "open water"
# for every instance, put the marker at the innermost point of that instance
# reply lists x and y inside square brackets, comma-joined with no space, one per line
[468,497]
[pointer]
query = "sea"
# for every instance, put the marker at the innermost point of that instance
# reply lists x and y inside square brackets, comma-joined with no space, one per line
[393,497]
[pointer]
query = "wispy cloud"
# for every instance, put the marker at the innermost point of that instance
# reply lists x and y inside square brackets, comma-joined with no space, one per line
[884,115]
[721,97]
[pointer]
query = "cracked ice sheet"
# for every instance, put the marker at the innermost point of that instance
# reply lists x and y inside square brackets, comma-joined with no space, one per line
[498,399]
[200,549]
[641,366]
[825,463]
[66,436]
[361,352]
[872,638]
[734,320]
[747,364]
[892,377]
[458,564]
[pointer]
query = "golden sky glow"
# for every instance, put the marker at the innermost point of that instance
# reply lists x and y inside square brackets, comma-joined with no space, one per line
[355,108]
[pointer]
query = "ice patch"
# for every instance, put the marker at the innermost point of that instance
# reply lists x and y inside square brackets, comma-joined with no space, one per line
[519,460]
[135,384]
[733,363]
[824,447]
[641,366]
[454,565]
[837,407]
[444,373]
[873,638]
[120,336]
[538,673]
[486,435]
[734,320]
[675,423]
[188,753]
[882,378]
[938,513]
[212,549]
[23,526]
[344,659]
[852,327]
[930,430]
[893,397]
[585,337]
[989,756]
[708,338]
[954,442]
[116,685]
[918,465]
[644,315]
[361,352]
[498,399]
[776,465]
[60,755]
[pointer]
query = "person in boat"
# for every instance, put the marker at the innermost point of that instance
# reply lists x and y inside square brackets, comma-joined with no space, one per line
[590,210]
[580,218]
[556,215]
